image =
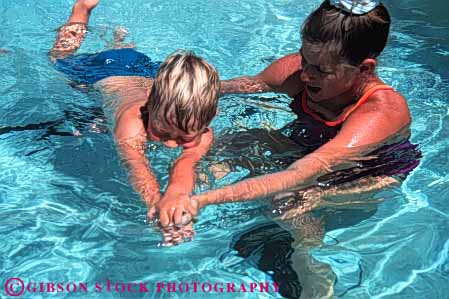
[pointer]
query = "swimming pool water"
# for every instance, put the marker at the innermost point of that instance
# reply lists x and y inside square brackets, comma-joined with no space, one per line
[67,212]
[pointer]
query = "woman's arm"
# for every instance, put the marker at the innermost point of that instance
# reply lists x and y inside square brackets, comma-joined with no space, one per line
[301,174]
[369,127]
[281,76]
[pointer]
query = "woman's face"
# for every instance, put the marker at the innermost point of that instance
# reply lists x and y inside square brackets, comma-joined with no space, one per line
[323,75]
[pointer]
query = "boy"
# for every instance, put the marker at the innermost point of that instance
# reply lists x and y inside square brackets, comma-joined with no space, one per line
[175,108]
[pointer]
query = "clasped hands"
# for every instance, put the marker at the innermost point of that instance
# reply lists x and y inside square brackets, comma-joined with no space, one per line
[175,211]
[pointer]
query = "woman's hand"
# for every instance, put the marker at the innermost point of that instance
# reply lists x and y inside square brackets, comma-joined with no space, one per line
[176,209]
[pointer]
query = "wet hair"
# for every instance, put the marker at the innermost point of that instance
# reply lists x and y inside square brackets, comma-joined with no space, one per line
[351,37]
[184,93]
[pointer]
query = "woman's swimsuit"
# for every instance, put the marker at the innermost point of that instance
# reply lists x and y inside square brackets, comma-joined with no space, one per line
[90,68]
[311,131]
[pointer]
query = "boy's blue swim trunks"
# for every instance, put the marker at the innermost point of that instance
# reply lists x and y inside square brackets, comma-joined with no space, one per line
[91,68]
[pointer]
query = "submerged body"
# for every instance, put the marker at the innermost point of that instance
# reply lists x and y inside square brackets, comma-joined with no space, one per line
[354,128]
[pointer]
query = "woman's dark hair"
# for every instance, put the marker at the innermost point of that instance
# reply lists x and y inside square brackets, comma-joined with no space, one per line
[353,37]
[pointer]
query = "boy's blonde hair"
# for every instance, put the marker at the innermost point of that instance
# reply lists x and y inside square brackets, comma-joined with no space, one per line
[184,92]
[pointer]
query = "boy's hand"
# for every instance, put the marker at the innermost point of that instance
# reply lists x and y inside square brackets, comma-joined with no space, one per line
[151,202]
[173,235]
[176,208]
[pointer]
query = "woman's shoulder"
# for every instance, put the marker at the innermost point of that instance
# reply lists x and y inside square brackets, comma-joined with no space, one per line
[387,102]
[384,115]
[283,74]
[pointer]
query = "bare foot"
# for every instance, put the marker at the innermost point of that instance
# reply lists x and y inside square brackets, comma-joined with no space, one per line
[81,11]
[120,34]
[88,4]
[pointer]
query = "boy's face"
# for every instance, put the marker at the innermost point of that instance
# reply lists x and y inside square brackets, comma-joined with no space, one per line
[173,137]
[323,76]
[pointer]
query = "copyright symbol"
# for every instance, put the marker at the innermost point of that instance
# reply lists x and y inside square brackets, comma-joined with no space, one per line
[14,287]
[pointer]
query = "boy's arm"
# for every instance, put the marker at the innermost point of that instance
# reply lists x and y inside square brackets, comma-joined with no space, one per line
[281,76]
[176,199]
[130,138]
[140,176]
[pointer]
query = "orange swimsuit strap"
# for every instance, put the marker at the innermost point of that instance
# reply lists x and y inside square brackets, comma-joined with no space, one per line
[339,121]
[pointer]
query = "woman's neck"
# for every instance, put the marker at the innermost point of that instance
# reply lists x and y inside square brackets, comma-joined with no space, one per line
[333,108]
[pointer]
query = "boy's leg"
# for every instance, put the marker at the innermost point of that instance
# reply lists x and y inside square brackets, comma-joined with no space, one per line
[71,34]
[119,39]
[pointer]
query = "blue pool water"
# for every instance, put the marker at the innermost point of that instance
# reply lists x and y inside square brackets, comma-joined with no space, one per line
[68,214]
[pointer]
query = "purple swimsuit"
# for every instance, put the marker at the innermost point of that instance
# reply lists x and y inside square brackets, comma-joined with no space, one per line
[397,159]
